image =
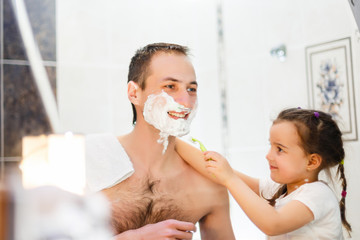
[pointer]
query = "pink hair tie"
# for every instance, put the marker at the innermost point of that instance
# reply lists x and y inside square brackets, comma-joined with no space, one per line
[316,114]
[343,193]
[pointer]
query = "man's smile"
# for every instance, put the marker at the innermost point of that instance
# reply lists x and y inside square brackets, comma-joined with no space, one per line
[178,115]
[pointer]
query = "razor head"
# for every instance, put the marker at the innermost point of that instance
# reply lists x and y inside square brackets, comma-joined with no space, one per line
[202,147]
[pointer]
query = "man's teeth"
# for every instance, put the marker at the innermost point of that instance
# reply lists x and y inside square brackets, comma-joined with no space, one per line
[179,115]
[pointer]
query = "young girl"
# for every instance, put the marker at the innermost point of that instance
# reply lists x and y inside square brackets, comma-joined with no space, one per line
[297,204]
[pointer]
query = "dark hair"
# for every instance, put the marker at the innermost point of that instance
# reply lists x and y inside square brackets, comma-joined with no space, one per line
[139,65]
[318,134]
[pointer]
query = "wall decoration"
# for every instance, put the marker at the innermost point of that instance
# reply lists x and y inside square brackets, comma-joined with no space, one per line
[331,83]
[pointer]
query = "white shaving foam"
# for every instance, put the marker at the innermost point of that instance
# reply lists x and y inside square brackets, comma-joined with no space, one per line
[156,113]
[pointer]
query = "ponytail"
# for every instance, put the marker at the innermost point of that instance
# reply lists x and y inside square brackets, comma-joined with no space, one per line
[282,190]
[340,172]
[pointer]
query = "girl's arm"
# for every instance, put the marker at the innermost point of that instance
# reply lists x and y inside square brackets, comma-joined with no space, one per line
[252,183]
[268,219]
[195,158]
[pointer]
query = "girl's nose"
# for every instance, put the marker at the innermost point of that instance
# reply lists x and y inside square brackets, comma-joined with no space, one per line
[268,155]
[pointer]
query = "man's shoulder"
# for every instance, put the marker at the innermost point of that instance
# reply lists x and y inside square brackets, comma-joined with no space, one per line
[213,198]
[215,193]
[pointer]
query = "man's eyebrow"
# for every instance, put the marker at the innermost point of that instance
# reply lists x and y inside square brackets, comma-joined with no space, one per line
[177,80]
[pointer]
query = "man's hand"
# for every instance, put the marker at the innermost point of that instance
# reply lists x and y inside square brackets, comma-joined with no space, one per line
[166,230]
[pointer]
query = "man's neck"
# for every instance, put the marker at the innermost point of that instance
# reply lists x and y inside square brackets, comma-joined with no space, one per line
[145,151]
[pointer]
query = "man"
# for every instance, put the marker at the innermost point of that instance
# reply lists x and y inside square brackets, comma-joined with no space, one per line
[164,197]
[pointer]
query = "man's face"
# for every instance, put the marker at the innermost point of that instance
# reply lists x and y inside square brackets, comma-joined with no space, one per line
[174,75]
[169,99]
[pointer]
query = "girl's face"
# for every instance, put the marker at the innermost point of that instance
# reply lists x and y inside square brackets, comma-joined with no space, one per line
[287,160]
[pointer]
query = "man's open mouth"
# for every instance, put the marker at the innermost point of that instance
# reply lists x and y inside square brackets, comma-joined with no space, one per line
[179,115]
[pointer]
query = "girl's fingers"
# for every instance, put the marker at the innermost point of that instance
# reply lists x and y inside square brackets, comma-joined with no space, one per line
[210,156]
[212,164]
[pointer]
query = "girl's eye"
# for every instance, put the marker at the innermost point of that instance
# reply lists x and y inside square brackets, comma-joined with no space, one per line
[280,149]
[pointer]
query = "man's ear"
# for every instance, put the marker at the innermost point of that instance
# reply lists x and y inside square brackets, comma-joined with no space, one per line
[133,92]
[314,161]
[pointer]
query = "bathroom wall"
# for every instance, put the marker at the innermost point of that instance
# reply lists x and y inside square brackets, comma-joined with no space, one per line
[87,57]
[95,43]
[260,86]
[22,112]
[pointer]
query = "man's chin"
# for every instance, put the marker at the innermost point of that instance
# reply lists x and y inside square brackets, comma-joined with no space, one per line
[179,134]
[172,133]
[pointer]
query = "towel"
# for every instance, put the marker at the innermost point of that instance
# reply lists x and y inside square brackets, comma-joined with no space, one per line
[107,163]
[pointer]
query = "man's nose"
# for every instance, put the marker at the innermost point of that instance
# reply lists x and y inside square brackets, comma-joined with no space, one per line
[183,98]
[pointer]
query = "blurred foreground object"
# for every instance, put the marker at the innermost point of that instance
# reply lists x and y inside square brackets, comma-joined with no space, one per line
[5,213]
[51,213]
[47,195]
[56,160]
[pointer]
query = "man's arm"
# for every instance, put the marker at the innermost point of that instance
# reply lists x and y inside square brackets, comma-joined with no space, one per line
[166,230]
[217,224]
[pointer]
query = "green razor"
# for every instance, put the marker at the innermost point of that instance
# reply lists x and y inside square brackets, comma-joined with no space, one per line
[202,147]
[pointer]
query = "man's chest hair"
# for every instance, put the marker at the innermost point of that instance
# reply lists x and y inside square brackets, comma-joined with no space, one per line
[138,202]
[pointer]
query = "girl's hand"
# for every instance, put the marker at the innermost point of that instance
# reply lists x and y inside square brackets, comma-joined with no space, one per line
[219,167]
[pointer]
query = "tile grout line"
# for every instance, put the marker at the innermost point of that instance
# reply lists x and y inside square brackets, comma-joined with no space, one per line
[40,76]
[2,167]
[222,78]
[26,62]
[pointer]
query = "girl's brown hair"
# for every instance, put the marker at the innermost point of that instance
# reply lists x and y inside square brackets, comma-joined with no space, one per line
[318,134]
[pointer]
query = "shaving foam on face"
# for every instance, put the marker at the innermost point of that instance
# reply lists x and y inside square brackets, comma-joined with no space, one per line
[156,113]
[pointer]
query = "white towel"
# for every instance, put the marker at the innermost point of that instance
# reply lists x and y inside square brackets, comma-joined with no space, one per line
[107,163]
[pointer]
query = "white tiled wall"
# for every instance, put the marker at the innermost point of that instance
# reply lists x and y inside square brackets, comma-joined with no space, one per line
[97,39]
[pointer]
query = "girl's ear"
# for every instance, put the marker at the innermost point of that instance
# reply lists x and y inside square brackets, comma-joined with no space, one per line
[133,92]
[314,161]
